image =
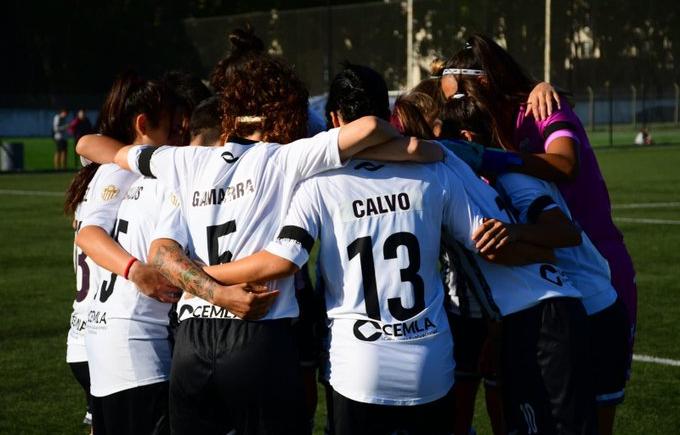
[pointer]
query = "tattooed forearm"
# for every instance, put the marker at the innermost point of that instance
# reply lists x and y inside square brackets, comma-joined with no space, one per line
[173,263]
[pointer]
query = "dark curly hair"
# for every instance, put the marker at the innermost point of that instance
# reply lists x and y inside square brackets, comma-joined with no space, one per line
[357,91]
[251,83]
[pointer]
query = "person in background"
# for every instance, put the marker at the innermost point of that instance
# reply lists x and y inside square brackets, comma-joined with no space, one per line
[643,137]
[79,127]
[59,129]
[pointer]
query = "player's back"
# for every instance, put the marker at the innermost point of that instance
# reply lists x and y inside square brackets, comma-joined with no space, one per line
[380,228]
[233,199]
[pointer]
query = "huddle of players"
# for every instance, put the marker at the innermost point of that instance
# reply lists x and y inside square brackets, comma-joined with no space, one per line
[251,210]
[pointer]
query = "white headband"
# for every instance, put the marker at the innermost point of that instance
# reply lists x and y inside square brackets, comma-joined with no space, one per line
[249,119]
[462,71]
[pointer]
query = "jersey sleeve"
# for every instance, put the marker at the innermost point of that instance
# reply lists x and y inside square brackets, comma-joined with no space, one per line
[561,123]
[170,165]
[103,201]
[483,196]
[171,223]
[300,227]
[461,217]
[528,195]
[306,157]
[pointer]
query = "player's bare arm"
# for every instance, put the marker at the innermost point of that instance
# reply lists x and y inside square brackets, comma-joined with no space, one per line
[262,266]
[520,254]
[247,301]
[552,230]
[98,148]
[405,149]
[106,252]
[560,162]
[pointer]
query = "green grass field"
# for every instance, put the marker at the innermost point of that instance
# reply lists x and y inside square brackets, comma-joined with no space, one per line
[38,151]
[38,394]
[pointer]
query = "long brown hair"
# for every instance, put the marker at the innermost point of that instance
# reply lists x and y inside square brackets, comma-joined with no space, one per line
[416,113]
[259,92]
[504,87]
[129,96]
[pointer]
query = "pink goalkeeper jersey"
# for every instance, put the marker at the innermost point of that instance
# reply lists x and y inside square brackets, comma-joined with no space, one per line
[586,195]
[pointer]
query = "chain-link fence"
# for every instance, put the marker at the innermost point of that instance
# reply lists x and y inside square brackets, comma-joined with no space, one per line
[617,58]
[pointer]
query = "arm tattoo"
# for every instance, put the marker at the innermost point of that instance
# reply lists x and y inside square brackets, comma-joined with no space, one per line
[173,263]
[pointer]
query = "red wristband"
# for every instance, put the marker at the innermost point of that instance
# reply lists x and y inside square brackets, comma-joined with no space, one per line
[129,265]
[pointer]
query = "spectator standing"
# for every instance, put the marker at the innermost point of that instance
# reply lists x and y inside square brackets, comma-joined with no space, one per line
[59,129]
[643,137]
[79,127]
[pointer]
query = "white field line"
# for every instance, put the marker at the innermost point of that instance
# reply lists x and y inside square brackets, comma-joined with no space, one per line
[655,360]
[646,205]
[30,192]
[648,221]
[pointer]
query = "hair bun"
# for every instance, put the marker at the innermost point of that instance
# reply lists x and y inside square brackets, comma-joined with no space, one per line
[244,40]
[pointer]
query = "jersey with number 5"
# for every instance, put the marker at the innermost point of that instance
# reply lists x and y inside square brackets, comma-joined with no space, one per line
[233,199]
[127,335]
[99,208]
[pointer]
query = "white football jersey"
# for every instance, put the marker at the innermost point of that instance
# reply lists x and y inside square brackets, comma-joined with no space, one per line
[480,288]
[583,264]
[98,207]
[127,331]
[233,199]
[380,229]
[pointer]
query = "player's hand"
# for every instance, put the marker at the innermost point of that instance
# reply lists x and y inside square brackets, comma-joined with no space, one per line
[151,283]
[247,301]
[493,235]
[540,101]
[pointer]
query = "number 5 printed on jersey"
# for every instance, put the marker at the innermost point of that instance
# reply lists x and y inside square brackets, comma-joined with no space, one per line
[106,289]
[213,233]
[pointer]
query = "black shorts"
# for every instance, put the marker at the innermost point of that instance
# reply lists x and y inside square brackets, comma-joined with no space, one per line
[137,411]
[546,371]
[469,336]
[81,372]
[356,418]
[61,144]
[236,374]
[610,331]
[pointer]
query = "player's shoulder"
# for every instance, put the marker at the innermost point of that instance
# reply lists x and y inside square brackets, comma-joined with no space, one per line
[111,173]
[517,180]
[564,114]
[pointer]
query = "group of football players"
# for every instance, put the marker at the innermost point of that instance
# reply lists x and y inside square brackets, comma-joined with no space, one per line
[463,235]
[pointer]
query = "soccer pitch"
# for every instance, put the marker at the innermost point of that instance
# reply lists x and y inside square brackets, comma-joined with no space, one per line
[38,394]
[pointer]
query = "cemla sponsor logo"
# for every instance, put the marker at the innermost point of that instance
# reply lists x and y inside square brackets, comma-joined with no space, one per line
[371,330]
[204,312]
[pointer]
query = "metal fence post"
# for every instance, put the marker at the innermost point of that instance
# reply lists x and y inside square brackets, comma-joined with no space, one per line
[591,109]
[677,102]
[633,110]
